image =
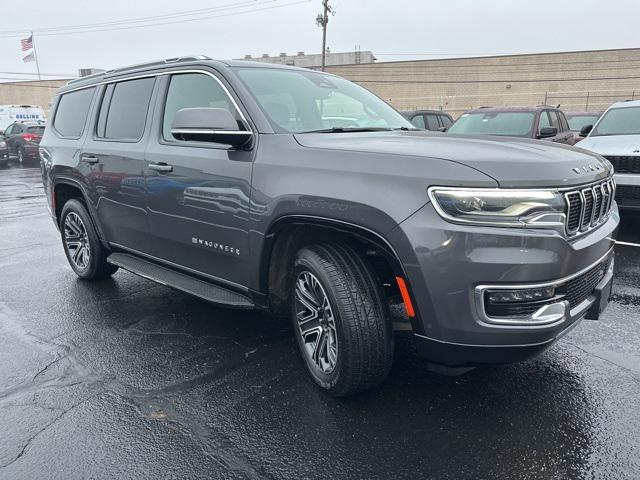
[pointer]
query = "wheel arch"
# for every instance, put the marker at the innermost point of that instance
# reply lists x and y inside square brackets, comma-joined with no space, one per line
[64,189]
[289,233]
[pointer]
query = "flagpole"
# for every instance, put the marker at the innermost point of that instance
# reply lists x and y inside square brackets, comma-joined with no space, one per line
[35,54]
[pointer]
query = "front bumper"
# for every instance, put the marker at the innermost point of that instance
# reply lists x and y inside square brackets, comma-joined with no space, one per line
[447,263]
[628,191]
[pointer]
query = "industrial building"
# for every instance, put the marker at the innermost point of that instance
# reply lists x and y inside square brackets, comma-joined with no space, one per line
[577,81]
[303,60]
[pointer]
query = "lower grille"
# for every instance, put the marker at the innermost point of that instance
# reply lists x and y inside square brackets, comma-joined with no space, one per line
[578,289]
[628,196]
[624,164]
[575,291]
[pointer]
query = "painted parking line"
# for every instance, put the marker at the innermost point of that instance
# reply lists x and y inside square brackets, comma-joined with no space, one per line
[628,244]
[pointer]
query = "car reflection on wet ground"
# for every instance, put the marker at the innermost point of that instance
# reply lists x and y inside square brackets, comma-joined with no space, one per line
[128,379]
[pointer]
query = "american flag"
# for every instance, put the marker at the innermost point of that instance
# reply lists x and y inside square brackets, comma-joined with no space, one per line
[29,58]
[27,43]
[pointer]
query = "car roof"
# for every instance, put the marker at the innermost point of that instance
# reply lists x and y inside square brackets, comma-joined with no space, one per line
[537,108]
[583,114]
[159,65]
[418,112]
[625,104]
[30,123]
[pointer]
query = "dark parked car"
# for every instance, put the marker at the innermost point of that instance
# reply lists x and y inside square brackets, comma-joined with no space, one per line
[434,120]
[232,181]
[23,139]
[541,122]
[579,120]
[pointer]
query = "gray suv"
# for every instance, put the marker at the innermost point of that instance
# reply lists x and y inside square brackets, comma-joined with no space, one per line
[276,188]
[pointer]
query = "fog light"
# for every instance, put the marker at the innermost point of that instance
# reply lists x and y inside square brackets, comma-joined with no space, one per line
[521,295]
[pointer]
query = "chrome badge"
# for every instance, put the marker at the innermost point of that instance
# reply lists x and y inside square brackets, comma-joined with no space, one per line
[594,167]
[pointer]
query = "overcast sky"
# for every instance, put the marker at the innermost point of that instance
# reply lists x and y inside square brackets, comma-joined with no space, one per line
[392,29]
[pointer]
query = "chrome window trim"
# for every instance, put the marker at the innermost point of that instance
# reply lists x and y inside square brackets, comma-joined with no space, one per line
[480,290]
[125,78]
[210,131]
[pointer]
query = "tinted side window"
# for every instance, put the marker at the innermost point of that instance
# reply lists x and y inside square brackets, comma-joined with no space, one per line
[418,121]
[72,111]
[126,109]
[191,90]
[10,129]
[555,122]
[432,122]
[446,121]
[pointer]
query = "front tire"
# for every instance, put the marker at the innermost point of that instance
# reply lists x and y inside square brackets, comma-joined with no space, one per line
[85,253]
[21,156]
[340,319]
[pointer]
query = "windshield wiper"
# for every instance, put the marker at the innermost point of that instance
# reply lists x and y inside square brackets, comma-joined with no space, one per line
[348,130]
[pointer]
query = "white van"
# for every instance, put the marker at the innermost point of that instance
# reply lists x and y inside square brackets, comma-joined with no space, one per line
[18,113]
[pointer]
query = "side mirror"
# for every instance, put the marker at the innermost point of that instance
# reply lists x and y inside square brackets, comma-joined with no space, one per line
[204,124]
[442,129]
[586,130]
[547,132]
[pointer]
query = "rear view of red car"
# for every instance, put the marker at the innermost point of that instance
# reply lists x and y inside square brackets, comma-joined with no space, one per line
[23,140]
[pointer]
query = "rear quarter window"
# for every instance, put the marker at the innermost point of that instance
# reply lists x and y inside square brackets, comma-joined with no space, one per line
[71,113]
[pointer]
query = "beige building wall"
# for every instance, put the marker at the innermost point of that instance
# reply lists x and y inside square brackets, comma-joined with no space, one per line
[39,93]
[578,81]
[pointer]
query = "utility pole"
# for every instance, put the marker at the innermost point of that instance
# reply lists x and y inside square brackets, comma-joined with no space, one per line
[322,19]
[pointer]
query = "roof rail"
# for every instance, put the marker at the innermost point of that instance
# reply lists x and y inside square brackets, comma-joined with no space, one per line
[157,63]
[81,79]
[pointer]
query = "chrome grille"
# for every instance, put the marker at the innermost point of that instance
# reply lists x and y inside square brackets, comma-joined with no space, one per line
[588,207]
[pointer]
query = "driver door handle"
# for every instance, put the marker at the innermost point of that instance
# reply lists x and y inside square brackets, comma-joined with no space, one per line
[161,167]
[89,159]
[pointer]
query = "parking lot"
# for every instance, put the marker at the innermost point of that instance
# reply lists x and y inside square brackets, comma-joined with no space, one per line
[125,378]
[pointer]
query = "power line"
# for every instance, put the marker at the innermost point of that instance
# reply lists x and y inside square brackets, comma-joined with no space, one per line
[156,24]
[133,20]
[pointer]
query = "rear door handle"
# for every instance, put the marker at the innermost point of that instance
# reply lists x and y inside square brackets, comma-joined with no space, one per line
[89,159]
[161,167]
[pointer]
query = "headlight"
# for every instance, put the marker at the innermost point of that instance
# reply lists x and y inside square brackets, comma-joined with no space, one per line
[3,144]
[499,207]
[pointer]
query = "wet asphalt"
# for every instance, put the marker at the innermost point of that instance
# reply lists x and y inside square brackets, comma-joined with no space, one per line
[128,379]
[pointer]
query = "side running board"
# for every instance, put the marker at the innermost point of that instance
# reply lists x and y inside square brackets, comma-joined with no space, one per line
[180,281]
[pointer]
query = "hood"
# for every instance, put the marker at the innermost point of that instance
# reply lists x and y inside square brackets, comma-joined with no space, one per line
[512,162]
[616,145]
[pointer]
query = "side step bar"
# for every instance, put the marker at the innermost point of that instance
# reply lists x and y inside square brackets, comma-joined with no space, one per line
[180,281]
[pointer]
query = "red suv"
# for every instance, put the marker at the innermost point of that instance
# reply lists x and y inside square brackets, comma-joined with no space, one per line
[541,122]
[23,140]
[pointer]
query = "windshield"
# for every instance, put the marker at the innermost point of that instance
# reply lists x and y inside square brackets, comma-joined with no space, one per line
[619,121]
[578,121]
[303,101]
[514,124]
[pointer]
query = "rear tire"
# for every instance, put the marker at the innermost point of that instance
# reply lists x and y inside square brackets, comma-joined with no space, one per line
[84,250]
[340,319]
